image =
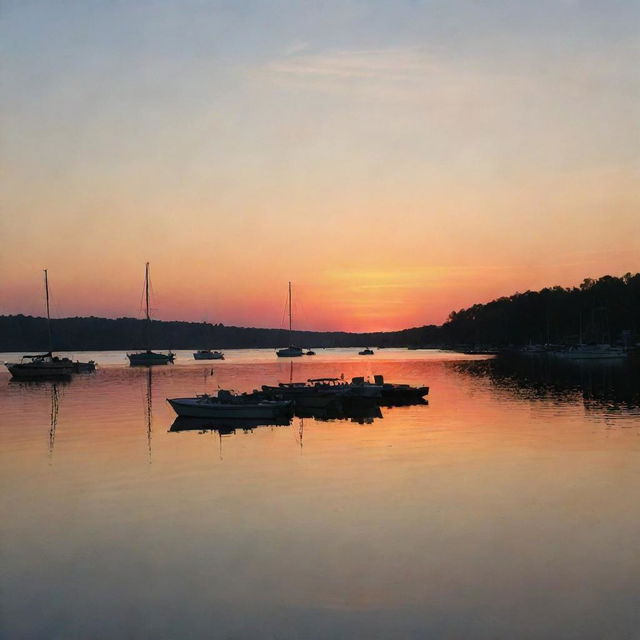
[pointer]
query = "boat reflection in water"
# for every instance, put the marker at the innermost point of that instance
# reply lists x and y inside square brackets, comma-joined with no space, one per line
[360,411]
[225,426]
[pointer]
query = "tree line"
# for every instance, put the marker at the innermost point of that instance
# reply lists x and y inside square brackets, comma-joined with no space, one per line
[606,309]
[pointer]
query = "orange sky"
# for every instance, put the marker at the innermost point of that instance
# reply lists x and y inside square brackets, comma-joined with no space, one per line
[392,166]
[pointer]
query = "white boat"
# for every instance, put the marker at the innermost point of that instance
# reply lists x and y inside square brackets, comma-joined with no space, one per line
[207,354]
[229,405]
[148,358]
[591,352]
[291,351]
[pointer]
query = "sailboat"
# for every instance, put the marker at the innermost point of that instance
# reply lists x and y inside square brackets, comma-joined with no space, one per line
[42,365]
[148,357]
[290,351]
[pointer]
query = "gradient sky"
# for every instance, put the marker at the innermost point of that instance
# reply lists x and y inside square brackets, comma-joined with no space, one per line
[395,160]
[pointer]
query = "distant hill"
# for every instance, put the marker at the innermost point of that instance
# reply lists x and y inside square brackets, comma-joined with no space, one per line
[26,333]
[603,310]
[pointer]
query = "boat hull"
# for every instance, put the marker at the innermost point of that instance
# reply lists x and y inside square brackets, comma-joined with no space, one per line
[208,356]
[197,408]
[42,372]
[289,352]
[149,358]
[306,397]
[403,393]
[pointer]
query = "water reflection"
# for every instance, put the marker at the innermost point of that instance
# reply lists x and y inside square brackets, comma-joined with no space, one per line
[148,409]
[362,412]
[224,426]
[53,417]
[489,513]
[600,385]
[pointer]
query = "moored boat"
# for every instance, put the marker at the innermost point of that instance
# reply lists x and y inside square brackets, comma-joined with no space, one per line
[229,405]
[591,352]
[291,351]
[148,358]
[395,393]
[41,366]
[84,367]
[303,394]
[46,365]
[207,354]
[357,388]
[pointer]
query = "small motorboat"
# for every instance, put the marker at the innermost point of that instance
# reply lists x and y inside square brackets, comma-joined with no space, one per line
[41,366]
[84,367]
[149,358]
[357,388]
[226,404]
[310,352]
[290,352]
[400,394]
[307,395]
[365,352]
[207,354]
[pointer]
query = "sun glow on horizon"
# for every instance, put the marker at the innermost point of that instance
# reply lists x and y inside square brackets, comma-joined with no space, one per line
[393,174]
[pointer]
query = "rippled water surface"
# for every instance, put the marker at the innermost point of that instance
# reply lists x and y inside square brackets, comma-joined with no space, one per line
[508,507]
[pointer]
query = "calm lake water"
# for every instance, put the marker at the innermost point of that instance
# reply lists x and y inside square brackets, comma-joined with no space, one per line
[508,507]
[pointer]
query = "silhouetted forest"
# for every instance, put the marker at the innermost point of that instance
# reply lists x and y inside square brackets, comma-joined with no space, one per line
[596,311]
[601,310]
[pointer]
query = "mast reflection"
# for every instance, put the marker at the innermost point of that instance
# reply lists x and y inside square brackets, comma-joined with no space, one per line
[53,418]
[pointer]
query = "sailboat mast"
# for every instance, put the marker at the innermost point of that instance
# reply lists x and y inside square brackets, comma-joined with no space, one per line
[290,313]
[146,297]
[46,293]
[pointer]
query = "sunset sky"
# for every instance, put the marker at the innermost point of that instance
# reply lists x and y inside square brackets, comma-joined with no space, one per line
[395,160]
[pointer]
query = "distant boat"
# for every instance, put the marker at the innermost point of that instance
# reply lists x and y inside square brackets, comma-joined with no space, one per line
[207,354]
[46,365]
[291,351]
[148,357]
[591,352]
[310,353]
[365,352]
[230,405]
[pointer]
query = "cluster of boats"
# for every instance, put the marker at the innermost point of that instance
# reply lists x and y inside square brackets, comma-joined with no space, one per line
[48,365]
[328,396]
